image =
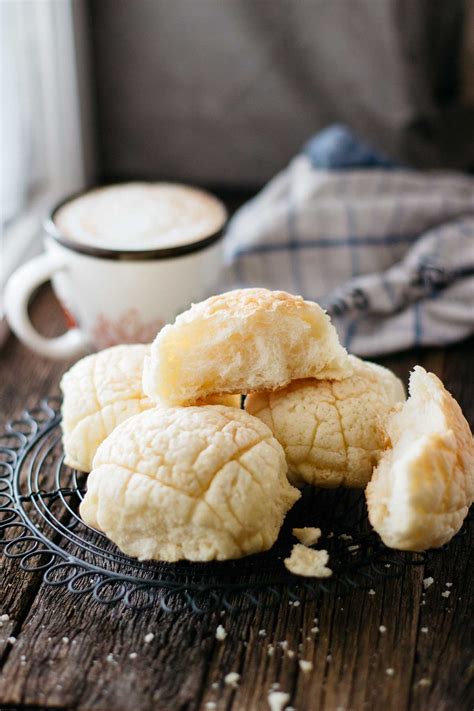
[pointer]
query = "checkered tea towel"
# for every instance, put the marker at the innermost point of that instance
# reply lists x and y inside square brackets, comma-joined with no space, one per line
[388,251]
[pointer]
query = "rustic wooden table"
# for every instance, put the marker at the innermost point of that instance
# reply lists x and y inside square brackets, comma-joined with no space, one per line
[73,653]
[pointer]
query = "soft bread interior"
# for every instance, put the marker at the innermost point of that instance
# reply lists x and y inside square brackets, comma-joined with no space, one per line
[236,349]
[420,490]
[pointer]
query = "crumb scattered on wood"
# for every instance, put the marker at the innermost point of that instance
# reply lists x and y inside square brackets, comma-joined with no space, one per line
[231,679]
[221,634]
[277,700]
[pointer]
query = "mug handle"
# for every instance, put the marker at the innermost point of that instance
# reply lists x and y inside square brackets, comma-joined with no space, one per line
[18,292]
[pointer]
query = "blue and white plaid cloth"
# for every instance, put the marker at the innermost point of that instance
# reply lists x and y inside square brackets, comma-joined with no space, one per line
[388,251]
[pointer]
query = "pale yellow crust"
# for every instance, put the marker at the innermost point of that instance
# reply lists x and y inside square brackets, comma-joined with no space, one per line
[99,392]
[333,432]
[196,483]
[102,390]
[242,341]
[421,490]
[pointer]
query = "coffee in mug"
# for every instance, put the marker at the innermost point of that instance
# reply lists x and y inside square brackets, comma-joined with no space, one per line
[123,260]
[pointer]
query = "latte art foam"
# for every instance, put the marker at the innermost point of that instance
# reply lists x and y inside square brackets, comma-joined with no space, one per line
[141,216]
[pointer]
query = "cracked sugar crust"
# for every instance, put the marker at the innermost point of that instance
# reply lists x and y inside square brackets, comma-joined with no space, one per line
[99,392]
[421,491]
[102,390]
[332,431]
[240,341]
[196,483]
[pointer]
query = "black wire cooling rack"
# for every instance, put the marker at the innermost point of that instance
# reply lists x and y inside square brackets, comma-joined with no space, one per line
[41,528]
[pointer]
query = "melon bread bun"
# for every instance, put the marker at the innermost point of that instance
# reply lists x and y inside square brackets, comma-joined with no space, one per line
[332,431]
[199,483]
[99,392]
[242,341]
[423,486]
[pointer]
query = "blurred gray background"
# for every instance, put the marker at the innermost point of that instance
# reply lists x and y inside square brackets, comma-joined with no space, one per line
[224,92]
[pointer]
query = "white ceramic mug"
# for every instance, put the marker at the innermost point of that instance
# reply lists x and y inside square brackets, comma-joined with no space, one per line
[110,296]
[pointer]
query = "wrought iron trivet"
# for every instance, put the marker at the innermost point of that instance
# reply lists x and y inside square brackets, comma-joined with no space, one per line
[40,526]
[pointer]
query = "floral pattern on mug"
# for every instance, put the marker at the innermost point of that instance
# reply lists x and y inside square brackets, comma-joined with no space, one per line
[126,329]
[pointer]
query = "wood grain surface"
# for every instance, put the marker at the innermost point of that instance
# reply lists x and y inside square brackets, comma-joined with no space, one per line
[72,653]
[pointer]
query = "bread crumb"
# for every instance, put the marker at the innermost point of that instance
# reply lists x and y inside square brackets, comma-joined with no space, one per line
[308,535]
[110,657]
[371,591]
[345,537]
[275,686]
[4,617]
[221,634]
[284,644]
[308,562]
[305,666]
[149,637]
[427,582]
[424,682]
[262,633]
[424,630]
[11,640]
[446,593]
[390,671]
[329,658]
[296,603]
[214,685]
[231,679]
[210,705]
[449,585]
[314,630]
[133,655]
[277,700]
[353,548]
[382,629]
[290,654]
[270,650]
[65,640]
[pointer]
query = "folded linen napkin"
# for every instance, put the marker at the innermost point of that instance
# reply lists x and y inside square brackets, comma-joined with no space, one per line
[388,251]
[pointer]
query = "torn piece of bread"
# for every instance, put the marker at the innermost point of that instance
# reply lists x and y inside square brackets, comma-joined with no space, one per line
[308,562]
[99,392]
[195,483]
[421,491]
[332,431]
[244,340]
[308,535]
